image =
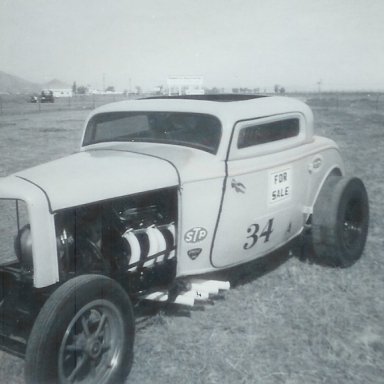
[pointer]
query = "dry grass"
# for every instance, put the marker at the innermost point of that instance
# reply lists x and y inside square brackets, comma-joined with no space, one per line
[298,323]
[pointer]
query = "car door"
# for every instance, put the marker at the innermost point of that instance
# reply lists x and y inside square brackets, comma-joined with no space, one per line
[265,187]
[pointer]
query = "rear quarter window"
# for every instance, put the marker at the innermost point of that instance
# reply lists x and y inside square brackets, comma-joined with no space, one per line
[268,132]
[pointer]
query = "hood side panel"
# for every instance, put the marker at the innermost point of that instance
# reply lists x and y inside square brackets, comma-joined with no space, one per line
[98,175]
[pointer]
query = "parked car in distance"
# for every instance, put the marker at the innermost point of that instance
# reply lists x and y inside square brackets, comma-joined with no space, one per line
[162,192]
[46,96]
[34,99]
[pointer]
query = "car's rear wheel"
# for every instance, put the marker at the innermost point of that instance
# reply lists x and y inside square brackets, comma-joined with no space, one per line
[340,221]
[83,334]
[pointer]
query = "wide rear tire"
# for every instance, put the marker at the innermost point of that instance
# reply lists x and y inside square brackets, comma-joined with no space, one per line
[83,334]
[340,222]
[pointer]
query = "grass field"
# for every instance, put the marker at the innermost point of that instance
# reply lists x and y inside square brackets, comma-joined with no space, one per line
[296,323]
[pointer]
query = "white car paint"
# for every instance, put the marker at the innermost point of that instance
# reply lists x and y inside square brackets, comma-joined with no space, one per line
[97,175]
[208,198]
[228,113]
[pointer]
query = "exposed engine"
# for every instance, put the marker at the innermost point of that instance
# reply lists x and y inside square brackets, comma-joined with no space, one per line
[126,234]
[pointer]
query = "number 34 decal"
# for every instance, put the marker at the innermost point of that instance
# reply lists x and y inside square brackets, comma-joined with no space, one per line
[254,234]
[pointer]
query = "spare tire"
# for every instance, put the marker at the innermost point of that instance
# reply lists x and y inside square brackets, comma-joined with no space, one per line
[340,221]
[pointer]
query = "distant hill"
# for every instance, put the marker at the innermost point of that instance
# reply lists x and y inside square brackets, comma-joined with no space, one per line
[56,84]
[15,85]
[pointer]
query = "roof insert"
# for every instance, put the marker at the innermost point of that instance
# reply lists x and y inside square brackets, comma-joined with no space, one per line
[225,97]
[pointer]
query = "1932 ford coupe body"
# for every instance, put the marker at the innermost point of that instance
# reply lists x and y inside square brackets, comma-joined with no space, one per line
[162,190]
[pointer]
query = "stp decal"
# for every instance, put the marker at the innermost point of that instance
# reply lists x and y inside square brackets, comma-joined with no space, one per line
[196,234]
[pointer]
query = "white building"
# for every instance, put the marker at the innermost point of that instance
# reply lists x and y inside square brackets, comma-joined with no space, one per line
[185,85]
[62,92]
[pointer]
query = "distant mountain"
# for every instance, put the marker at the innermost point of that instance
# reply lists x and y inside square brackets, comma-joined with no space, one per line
[56,84]
[14,84]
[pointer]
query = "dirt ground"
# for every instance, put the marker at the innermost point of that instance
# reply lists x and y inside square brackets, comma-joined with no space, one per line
[293,323]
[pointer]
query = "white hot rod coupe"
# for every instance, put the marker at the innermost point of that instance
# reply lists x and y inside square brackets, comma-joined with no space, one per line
[162,191]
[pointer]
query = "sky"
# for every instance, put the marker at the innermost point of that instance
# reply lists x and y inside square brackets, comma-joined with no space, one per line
[230,43]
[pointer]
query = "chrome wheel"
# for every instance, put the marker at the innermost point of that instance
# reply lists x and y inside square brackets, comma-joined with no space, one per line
[92,345]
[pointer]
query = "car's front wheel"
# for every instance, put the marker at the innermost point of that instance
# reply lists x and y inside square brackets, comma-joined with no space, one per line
[83,334]
[340,221]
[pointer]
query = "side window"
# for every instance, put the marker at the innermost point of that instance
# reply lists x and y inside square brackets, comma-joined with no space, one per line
[268,132]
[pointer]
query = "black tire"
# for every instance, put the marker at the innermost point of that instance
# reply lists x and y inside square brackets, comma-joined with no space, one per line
[83,334]
[340,222]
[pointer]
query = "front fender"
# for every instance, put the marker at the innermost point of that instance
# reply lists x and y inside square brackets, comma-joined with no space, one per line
[44,249]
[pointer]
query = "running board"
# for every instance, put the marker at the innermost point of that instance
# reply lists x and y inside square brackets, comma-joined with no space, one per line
[196,290]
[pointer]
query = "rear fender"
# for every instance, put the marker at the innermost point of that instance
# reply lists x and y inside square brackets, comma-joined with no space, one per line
[321,166]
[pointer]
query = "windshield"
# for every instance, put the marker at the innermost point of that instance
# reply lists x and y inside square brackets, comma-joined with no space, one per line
[195,130]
